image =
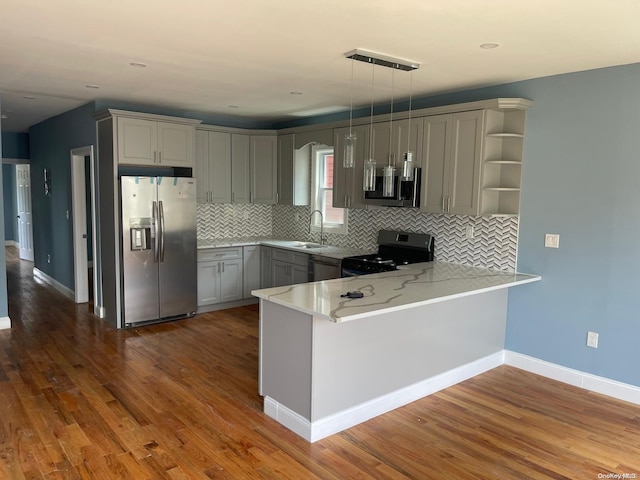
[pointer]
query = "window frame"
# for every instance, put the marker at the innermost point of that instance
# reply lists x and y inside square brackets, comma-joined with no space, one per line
[316,203]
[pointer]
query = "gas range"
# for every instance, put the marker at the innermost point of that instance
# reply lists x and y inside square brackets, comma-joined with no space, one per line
[394,248]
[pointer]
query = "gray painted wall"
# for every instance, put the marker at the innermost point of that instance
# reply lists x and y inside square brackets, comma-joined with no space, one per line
[50,144]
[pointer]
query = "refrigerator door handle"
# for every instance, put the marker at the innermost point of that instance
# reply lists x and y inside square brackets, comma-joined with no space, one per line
[155,232]
[161,231]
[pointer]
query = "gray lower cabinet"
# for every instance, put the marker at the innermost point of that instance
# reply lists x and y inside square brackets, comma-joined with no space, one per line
[265,267]
[219,275]
[251,270]
[288,267]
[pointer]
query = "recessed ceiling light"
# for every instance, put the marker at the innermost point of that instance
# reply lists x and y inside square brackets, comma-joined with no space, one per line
[92,86]
[234,106]
[295,93]
[489,46]
[138,64]
[28,97]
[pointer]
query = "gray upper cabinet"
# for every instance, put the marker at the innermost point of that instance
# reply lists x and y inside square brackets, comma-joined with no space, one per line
[452,146]
[264,168]
[392,139]
[213,167]
[286,154]
[155,143]
[240,168]
[294,172]
[347,182]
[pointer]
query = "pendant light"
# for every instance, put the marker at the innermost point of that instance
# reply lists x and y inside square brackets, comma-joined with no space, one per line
[407,164]
[388,171]
[350,138]
[369,180]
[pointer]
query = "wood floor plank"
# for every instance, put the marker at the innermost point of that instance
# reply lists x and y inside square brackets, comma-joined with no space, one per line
[79,399]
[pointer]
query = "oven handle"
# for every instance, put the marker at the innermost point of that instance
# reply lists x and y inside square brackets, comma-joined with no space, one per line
[347,272]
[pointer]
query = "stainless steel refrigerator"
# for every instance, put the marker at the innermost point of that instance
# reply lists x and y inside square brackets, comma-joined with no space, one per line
[158,248]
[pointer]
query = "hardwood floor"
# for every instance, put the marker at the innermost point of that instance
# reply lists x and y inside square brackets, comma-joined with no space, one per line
[179,400]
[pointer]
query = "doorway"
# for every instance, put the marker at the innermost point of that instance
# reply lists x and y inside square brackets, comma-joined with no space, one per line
[79,158]
[24,214]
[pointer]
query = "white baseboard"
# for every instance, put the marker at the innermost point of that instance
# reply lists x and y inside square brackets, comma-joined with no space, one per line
[5,322]
[314,431]
[66,291]
[11,243]
[594,383]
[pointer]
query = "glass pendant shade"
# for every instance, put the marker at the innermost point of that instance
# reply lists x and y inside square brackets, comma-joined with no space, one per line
[349,150]
[387,181]
[407,167]
[369,181]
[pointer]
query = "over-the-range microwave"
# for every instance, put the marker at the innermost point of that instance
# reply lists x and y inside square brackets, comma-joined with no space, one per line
[406,193]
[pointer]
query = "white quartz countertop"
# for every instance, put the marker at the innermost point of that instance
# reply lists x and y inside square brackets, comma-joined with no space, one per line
[410,286]
[326,250]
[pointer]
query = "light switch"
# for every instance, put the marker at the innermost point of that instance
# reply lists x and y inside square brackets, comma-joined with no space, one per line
[552,240]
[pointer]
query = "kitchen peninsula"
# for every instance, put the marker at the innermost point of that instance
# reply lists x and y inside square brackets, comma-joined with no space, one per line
[329,362]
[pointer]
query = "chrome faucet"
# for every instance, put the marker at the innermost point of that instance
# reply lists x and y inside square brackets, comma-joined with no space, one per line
[321,224]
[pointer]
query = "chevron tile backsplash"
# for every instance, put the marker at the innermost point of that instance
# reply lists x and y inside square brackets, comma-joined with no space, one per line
[494,244]
[234,220]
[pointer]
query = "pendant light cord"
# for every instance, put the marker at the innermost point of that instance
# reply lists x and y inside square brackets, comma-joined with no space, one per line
[393,71]
[351,95]
[410,96]
[373,72]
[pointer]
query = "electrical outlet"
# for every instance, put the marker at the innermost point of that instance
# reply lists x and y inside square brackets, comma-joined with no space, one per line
[469,232]
[297,217]
[552,240]
[592,339]
[246,215]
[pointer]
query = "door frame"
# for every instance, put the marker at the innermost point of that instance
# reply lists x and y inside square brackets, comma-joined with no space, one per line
[79,209]
[21,240]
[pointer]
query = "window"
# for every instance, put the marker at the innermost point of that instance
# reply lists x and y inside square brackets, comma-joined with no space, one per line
[335,219]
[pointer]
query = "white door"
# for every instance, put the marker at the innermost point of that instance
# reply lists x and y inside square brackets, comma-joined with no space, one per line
[25,227]
[79,210]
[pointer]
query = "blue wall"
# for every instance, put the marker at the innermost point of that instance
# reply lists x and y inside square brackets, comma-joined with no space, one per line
[50,143]
[15,145]
[581,181]
[9,201]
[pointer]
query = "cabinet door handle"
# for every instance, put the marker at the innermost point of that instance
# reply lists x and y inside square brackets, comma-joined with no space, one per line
[233,197]
[159,157]
[218,268]
[448,204]
[277,197]
[155,157]
[443,198]
[222,267]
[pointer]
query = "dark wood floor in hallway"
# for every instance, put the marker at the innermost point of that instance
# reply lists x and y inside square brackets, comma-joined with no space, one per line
[79,399]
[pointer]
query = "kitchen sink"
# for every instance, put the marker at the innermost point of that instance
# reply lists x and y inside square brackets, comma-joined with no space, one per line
[306,245]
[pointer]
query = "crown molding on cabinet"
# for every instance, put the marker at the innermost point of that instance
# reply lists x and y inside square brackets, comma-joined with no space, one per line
[244,131]
[112,112]
[492,104]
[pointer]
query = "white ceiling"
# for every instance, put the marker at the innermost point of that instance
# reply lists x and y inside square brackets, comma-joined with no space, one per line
[206,55]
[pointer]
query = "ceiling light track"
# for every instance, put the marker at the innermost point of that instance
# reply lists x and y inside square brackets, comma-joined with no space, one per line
[382,59]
